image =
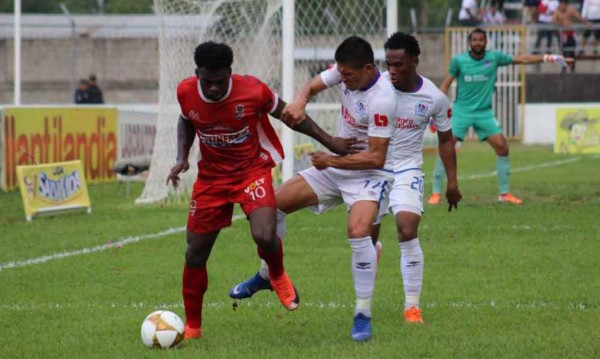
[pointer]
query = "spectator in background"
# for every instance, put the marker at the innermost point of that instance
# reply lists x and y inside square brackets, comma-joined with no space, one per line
[545,12]
[563,17]
[93,91]
[469,14]
[81,95]
[530,11]
[591,12]
[493,16]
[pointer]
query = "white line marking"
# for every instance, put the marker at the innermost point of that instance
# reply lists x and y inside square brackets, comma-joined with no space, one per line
[111,244]
[523,169]
[317,305]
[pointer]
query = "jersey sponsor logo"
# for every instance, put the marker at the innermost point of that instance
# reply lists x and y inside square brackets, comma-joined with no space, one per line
[380,120]
[225,139]
[194,115]
[420,109]
[349,119]
[239,111]
[406,124]
[475,78]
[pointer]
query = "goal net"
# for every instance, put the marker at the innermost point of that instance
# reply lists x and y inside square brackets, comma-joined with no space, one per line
[253,28]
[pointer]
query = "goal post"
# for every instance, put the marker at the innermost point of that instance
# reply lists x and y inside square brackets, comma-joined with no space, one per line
[284,43]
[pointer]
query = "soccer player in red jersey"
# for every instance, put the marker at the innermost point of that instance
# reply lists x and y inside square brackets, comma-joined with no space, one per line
[238,147]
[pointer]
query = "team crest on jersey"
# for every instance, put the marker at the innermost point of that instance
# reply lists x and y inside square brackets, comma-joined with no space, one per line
[360,109]
[420,109]
[487,63]
[239,111]
[194,115]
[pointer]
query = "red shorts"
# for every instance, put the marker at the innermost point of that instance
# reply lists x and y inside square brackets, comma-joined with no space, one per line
[211,206]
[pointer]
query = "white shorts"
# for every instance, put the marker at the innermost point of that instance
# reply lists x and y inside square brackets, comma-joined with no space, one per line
[406,194]
[335,186]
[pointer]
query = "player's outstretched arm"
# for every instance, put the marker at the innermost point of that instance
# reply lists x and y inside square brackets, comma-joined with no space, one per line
[448,156]
[373,158]
[185,140]
[296,110]
[528,59]
[309,127]
[445,86]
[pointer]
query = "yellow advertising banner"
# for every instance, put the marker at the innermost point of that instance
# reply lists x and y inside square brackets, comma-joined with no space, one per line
[38,135]
[53,187]
[577,130]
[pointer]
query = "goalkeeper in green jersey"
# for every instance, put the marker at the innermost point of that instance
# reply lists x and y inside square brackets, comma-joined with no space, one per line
[475,72]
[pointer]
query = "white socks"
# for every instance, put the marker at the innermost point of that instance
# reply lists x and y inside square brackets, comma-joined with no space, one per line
[411,267]
[364,268]
[263,272]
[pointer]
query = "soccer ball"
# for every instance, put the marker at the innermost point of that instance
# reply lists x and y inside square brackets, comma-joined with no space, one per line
[162,329]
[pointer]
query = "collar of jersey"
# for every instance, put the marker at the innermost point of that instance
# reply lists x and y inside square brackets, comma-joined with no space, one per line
[222,99]
[373,81]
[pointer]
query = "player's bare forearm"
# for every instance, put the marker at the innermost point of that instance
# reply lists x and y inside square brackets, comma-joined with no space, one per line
[373,158]
[185,138]
[527,59]
[448,155]
[445,86]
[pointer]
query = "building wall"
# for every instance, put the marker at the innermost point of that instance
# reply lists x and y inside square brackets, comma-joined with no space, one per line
[128,68]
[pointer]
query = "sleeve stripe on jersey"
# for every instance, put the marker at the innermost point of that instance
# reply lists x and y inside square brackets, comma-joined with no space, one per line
[275,103]
[269,141]
[184,116]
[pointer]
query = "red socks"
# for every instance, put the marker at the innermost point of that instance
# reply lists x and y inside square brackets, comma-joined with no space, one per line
[195,282]
[274,260]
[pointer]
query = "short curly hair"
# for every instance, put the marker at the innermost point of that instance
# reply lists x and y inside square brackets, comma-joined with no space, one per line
[213,56]
[402,40]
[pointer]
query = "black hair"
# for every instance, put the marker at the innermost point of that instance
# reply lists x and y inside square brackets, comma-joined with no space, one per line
[213,56]
[477,31]
[355,52]
[92,78]
[402,40]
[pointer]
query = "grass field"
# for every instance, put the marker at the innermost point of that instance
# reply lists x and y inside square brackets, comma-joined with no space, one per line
[501,281]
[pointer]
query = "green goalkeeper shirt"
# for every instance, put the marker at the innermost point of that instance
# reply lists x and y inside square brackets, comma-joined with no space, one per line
[476,80]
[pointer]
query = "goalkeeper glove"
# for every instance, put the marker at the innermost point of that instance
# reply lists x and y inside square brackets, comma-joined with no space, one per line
[558,59]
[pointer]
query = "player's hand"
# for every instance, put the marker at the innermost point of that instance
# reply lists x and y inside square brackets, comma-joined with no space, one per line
[180,167]
[557,59]
[293,114]
[319,159]
[346,146]
[453,196]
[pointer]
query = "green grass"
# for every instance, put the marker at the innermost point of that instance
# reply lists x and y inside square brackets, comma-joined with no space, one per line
[501,281]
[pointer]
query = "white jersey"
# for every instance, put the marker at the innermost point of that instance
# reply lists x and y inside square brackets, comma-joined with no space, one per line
[413,111]
[365,113]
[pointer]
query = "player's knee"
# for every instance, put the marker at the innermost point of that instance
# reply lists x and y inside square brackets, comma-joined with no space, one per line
[358,231]
[195,258]
[407,234]
[265,238]
[502,151]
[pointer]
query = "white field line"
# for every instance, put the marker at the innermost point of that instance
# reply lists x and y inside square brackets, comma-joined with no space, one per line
[525,168]
[111,244]
[579,306]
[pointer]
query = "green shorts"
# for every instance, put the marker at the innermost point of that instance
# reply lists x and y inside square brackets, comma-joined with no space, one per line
[485,124]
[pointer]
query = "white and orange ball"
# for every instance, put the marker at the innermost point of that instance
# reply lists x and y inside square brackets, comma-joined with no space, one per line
[162,329]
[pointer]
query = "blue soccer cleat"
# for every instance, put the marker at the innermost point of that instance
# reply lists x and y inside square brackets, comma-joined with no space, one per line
[247,288]
[361,329]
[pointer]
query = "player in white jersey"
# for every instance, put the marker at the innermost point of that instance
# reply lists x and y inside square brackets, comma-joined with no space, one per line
[418,100]
[361,181]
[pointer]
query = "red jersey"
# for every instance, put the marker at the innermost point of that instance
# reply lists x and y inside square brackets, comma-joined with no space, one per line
[235,135]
